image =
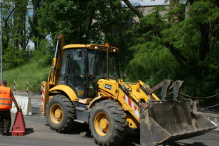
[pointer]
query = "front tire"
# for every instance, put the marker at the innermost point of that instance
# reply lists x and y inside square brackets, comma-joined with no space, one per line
[60,113]
[108,123]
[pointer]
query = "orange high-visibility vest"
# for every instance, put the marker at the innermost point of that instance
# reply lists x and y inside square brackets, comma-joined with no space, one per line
[5,98]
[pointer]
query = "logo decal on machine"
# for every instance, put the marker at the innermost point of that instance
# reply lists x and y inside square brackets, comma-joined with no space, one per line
[108,86]
[132,105]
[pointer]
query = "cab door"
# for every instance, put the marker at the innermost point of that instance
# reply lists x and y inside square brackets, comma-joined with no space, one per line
[77,72]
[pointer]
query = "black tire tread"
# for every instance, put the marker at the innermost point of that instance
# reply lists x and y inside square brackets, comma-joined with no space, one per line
[71,114]
[119,121]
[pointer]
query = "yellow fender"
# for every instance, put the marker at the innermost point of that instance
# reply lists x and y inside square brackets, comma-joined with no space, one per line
[69,91]
[97,99]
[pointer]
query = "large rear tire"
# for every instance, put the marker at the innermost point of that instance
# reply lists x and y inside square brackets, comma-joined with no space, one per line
[108,123]
[60,113]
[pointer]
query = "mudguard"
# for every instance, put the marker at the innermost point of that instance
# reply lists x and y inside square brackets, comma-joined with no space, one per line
[71,94]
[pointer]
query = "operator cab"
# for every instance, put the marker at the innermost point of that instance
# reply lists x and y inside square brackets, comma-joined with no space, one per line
[83,65]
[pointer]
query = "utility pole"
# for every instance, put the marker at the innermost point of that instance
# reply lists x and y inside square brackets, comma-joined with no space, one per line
[1,41]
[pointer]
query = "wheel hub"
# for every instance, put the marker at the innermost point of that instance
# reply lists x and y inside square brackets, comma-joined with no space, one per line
[104,124]
[101,124]
[58,113]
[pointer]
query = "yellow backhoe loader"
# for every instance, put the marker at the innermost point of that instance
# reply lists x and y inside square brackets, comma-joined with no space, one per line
[84,85]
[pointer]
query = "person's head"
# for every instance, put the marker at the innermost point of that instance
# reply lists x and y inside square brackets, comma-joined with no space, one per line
[3,82]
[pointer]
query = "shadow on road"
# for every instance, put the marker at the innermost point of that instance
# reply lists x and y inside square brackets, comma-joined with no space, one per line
[28,131]
[132,138]
[79,129]
[185,144]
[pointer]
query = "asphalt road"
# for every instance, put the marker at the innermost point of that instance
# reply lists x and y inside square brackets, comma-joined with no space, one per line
[38,133]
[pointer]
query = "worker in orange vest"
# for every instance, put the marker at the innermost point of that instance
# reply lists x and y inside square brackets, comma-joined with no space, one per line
[6,98]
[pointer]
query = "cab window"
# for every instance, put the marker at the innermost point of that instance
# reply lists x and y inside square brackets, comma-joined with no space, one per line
[76,72]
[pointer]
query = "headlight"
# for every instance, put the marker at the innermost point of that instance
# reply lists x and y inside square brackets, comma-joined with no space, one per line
[114,50]
[95,47]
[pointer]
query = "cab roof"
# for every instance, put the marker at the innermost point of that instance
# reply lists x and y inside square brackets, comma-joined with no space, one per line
[90,46]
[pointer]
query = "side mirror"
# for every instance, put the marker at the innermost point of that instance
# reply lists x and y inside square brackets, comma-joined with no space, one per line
[90,74]
[123,75]
[79,53]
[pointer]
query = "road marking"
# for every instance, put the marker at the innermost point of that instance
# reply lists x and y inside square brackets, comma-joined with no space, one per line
[215,125]
[217,128]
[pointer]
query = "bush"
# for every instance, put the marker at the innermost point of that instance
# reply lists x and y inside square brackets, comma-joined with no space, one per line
[13,58]
[45,50]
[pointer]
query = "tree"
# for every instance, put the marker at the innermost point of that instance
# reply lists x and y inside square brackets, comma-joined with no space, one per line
[15,32]
[20,35]
[113,20]
[81,21]
[133,9]
[185,48]
[15,27]
[67,17]
[8,10]
[35,35]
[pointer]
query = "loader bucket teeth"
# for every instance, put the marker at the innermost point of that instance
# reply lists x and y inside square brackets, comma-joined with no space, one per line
[164,85]
[164,89]
[168,121]
[176,88]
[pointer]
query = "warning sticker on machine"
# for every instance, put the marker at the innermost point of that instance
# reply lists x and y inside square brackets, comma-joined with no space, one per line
[108,86]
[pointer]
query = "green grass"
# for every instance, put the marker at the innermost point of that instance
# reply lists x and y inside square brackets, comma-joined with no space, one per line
[31,72]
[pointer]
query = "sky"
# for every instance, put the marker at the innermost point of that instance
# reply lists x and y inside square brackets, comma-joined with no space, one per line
[148,2]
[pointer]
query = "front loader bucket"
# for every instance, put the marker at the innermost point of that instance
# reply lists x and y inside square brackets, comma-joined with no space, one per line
[168,121]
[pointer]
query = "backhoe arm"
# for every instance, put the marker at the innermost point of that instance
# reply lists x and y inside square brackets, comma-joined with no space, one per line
[56,64]
[54,72]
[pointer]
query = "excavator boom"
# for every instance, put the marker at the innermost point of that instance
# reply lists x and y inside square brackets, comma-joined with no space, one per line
[56,63]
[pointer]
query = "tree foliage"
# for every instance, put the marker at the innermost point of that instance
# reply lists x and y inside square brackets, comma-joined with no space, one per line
[35,35]
[177,47]
[15,32]
[84,21]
